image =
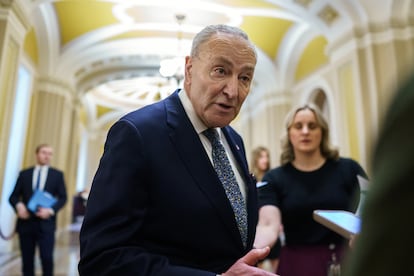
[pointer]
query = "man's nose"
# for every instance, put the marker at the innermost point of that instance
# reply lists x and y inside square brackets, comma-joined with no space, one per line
[232,87]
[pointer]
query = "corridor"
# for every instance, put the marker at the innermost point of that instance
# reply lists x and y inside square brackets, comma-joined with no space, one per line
[66,257]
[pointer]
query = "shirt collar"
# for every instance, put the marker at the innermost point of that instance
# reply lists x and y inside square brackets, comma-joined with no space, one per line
[38,167]
[198,125]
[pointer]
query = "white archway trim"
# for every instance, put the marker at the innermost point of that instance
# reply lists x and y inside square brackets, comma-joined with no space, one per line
[265,82]
[111,49]
[294,41]
[306,91]
[45,24]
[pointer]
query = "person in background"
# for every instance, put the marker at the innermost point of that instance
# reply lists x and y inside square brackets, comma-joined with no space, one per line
[79,205]
[172,194]
[384,245]
[312,176]
[260,164]
[38,228]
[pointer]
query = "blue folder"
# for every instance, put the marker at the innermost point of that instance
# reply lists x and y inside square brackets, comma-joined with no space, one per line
[40,199]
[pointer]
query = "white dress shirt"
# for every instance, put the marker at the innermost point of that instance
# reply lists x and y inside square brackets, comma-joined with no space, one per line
[43,175]
[199,128]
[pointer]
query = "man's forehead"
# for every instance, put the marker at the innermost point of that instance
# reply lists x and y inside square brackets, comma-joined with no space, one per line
[226,51]
[49,149]
[215,59]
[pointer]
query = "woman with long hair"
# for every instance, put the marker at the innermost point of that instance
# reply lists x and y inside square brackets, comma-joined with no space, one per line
[260,165]
[311,176]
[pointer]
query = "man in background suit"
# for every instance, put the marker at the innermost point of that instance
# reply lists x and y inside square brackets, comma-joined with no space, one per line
[38,228]
[157,205]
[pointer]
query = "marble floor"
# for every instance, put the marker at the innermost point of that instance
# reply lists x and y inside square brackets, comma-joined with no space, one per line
[66,257]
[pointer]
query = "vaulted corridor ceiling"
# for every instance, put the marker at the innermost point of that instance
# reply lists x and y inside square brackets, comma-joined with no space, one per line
[110,50]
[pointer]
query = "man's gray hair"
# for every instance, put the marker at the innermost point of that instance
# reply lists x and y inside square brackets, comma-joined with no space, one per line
[205,34]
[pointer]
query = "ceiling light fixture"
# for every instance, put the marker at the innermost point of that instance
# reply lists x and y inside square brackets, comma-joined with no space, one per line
[173,67]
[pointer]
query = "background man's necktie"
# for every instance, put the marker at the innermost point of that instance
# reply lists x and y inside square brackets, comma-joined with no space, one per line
[228,179]
[38,180]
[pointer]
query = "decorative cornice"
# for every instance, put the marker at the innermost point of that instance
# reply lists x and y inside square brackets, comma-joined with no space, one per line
[268,100]
[328,14]
[366,37]
[304,3]
[6,3]
[20,9]
[57,87]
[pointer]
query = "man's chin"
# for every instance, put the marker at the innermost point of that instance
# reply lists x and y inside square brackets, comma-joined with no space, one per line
[219,122]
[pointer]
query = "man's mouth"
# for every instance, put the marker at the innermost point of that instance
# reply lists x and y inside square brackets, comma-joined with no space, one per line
[225,106]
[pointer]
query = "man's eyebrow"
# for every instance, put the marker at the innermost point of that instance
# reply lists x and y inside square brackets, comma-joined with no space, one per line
[222,59]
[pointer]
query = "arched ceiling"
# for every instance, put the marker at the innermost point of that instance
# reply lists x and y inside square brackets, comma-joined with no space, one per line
[96,44]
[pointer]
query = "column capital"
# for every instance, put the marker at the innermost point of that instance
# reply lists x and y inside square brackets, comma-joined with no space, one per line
[6,3]
[55,86]
[18,11]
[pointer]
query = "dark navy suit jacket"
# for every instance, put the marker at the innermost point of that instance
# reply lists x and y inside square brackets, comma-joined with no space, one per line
[23,191]
[156,205]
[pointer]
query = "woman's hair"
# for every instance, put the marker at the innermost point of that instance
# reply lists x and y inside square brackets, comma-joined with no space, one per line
[255,157]
[327,150]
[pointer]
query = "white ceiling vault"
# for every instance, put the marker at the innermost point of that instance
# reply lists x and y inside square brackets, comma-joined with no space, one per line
[110,50]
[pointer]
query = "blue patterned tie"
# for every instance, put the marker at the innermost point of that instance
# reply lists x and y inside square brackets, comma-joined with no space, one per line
[228,179]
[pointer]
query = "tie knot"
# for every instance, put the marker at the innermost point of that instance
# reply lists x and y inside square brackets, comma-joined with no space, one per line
[212,135]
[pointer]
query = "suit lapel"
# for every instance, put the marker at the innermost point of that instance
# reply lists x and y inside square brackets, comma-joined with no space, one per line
[251,194]
[30,187]
[237,152]
[188,144]
[47,180]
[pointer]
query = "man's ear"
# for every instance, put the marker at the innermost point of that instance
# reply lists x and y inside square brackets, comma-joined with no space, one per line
[188,69]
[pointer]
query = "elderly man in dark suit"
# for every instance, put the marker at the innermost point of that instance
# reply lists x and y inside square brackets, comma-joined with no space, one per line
[161,202]
[38,227]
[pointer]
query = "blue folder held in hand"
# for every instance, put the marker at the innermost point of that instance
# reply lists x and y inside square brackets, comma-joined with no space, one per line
[40,199]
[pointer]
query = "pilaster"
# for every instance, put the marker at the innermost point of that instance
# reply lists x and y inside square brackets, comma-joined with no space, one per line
[54,120]
[14,24]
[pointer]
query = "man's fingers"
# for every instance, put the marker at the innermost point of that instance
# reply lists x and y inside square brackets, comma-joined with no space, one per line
[255,255]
